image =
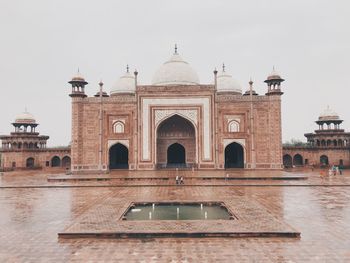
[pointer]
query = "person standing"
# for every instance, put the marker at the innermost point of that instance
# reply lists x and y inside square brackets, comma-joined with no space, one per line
[181,180]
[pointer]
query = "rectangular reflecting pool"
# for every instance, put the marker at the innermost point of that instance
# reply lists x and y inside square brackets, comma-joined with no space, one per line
[178,211]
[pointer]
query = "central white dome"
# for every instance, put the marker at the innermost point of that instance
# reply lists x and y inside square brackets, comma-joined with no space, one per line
[175,71]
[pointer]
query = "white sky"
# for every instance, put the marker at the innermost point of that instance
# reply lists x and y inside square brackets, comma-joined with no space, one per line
[42,43]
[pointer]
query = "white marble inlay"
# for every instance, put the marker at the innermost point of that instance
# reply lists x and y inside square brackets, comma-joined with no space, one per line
[239,141]
[146,118]
[161,115]
[113,142]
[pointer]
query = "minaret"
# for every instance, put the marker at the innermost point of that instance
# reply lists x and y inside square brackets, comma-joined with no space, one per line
[273,94]
[215,79]
[274,81]
[78,86]
[78,94]
[252,133]
[100,167]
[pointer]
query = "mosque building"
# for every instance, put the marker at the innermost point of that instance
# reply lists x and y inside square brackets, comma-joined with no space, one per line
[328,145]
[176,122]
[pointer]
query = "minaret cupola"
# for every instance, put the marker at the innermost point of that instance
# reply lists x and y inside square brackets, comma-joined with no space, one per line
[78,86]
[274,81]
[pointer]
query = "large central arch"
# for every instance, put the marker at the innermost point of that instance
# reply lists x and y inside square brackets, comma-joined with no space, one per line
[118,157]
[176,143]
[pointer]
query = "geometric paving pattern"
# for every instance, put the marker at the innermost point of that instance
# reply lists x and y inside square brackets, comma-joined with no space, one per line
[31,217]
[103,220]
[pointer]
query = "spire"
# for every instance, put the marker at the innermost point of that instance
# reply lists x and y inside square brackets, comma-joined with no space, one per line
[175,53]
[251,83]
[250,91]
[223,67]
[101,93]
[127,68]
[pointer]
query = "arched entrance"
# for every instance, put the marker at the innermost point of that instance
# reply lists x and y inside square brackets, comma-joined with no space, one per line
[66,161]
[297,160]
[55,161]
[118,157]
[176,155]
[176,143]
[30,162]
[234,156]
[324,160]
[287,161]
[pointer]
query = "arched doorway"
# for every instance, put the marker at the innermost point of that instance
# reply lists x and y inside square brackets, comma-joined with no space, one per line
[234,156]
[287,161]
[118,157]
[297,160]
[55,161]
[324,160]
[176,143]
[66,161]
[30,162]
[176,155]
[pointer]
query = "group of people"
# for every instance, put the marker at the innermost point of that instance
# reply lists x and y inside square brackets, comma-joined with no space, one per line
[179,180]
[334,170]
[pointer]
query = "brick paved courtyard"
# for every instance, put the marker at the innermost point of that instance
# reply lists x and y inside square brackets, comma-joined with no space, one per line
[32,216]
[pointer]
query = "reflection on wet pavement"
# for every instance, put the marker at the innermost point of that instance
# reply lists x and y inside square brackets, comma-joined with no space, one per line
[30,219]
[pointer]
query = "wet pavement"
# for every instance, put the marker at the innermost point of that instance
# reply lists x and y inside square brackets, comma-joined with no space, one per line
[30,219]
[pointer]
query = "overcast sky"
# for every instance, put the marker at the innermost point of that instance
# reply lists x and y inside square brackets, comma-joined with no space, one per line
[42,43]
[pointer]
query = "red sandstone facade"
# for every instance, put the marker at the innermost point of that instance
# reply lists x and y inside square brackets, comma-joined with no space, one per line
[176,123]
[25,148]
[328,145]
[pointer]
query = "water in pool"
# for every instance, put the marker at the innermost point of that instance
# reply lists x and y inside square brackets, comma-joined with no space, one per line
[177,211]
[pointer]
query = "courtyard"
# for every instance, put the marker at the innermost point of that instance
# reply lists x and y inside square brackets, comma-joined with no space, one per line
[36,207]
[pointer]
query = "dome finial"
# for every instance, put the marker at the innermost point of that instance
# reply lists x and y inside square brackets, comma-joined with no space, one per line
[175,49]
[127,68]
[223,67]
[251,82]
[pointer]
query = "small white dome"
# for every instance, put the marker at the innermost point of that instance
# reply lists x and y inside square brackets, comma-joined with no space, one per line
[78,77]
[226,83]
[274,75]
[25,118]
[175,71]
[328,115]
[125,84]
